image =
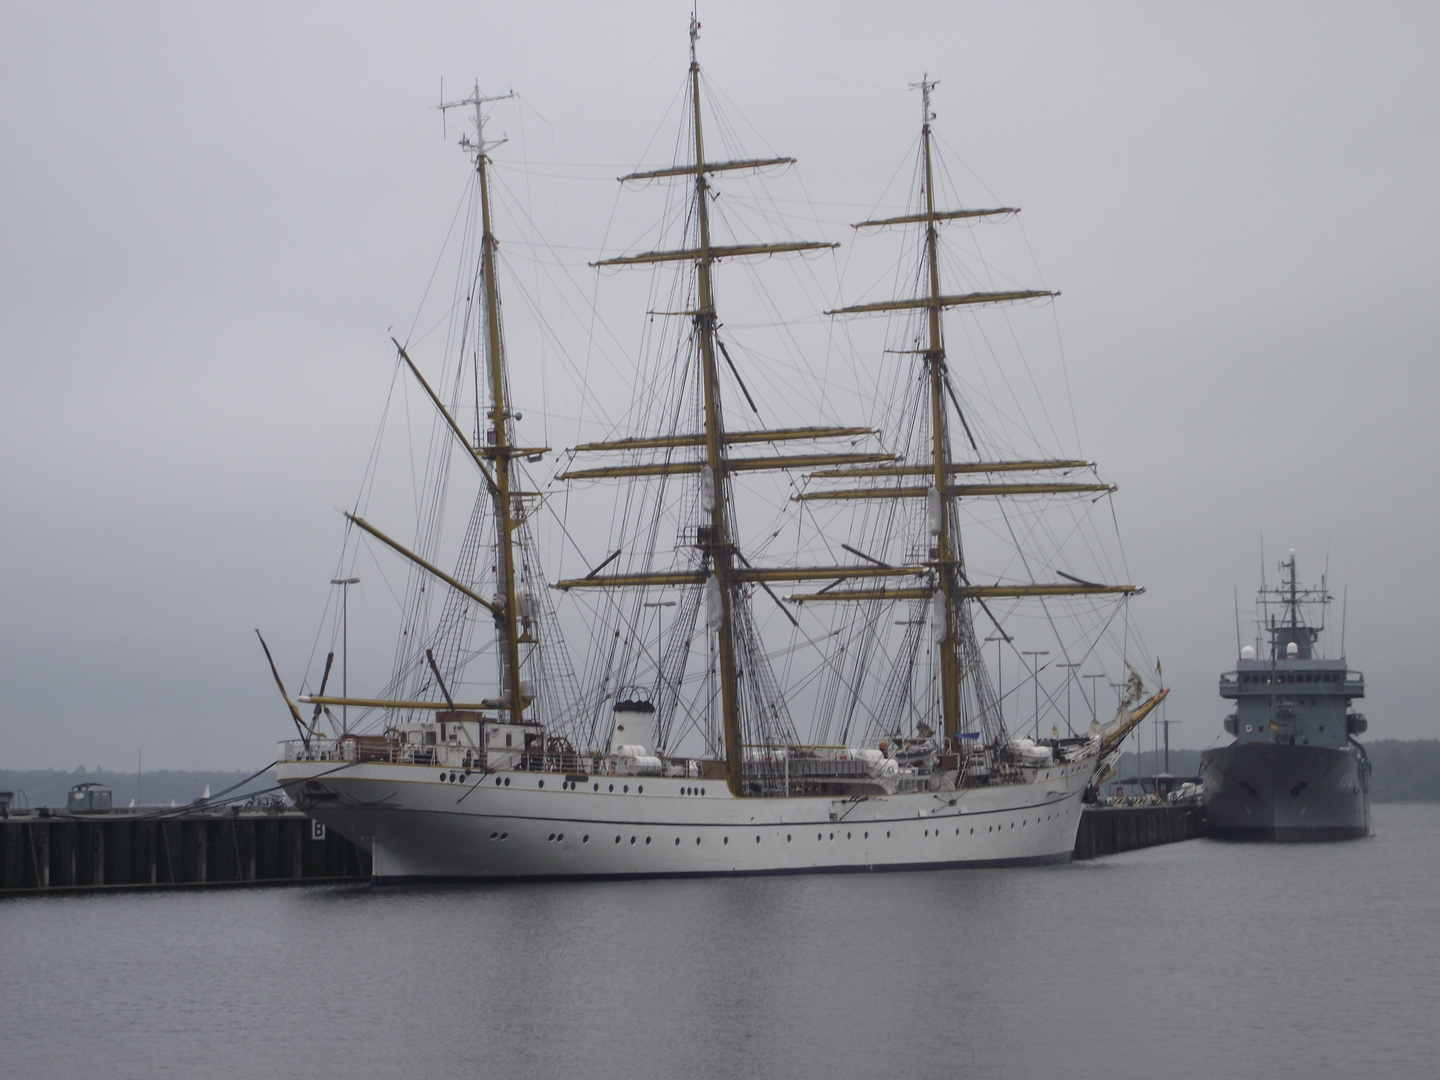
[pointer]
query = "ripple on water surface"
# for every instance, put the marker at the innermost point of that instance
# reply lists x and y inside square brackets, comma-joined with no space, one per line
[1196,960]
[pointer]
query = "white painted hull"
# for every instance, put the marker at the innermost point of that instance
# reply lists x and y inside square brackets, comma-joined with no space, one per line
[419,827]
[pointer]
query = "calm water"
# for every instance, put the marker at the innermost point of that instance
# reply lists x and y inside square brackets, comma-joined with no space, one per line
[1194,960]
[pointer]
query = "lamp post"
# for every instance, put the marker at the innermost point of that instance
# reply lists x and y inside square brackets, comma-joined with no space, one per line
[1093,692]
[659,648]
[1070,675]
[999,675]
[1035,674]
[345,584]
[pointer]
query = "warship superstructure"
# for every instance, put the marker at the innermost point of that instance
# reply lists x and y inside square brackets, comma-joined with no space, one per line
[1295,770]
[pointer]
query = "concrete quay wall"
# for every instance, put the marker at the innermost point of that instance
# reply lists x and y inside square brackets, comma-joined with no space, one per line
[1109,830]
[146,849]
[129,850]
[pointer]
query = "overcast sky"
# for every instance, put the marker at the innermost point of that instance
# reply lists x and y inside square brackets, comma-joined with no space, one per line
[212,216]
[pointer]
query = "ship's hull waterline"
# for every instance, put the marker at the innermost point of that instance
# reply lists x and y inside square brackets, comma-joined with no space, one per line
[1285,793]
[526,825]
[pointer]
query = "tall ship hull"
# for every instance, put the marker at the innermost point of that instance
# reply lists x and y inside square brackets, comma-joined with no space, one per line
[1295,771]
[1286,793]
[420,826]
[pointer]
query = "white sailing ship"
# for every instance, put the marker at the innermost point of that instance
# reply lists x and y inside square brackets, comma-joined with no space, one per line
[699,768]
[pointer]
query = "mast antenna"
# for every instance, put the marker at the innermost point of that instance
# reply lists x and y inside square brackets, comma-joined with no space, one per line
[925,85]
[476,99]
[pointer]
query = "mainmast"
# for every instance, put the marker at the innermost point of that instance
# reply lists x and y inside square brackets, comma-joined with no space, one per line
[712,477]
[946,561]
[721,575]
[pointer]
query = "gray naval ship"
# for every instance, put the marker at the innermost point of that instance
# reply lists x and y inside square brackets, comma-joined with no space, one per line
[1294,771]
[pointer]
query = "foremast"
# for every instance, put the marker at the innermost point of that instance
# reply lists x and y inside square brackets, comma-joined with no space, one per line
[951,588]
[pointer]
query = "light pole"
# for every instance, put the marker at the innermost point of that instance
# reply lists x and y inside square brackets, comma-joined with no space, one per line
[1093,692]
[1035,673]
[657,605]
[344,584]
[999,675]
[1166,724]
[1070,675]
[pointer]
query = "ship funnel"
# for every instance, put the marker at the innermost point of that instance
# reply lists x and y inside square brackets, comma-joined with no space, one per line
[634,724]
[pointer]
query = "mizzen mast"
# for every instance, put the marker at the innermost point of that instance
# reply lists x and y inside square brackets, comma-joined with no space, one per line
[496,444]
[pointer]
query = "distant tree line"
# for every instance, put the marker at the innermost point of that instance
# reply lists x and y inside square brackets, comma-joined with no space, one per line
[51,787]
[1404,770]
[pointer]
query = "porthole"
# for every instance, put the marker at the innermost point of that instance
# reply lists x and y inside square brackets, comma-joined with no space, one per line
[597,787]
[832,836]
[612,787]
[702,791]
[927,832]
[647,841]
[632,839]
[617,839]
[640,790]
[677,841]
[625,790]
[757,839]
[787,838]
[493,835]
[497,781]
[847,836]
[972,832]
[560,838]
[585,839]
[507,781]
[504,836]
[540,784]
[819,837]
[726,840]
[442,777]
[887,834]
[551,836]
[867,836]
[697,841]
